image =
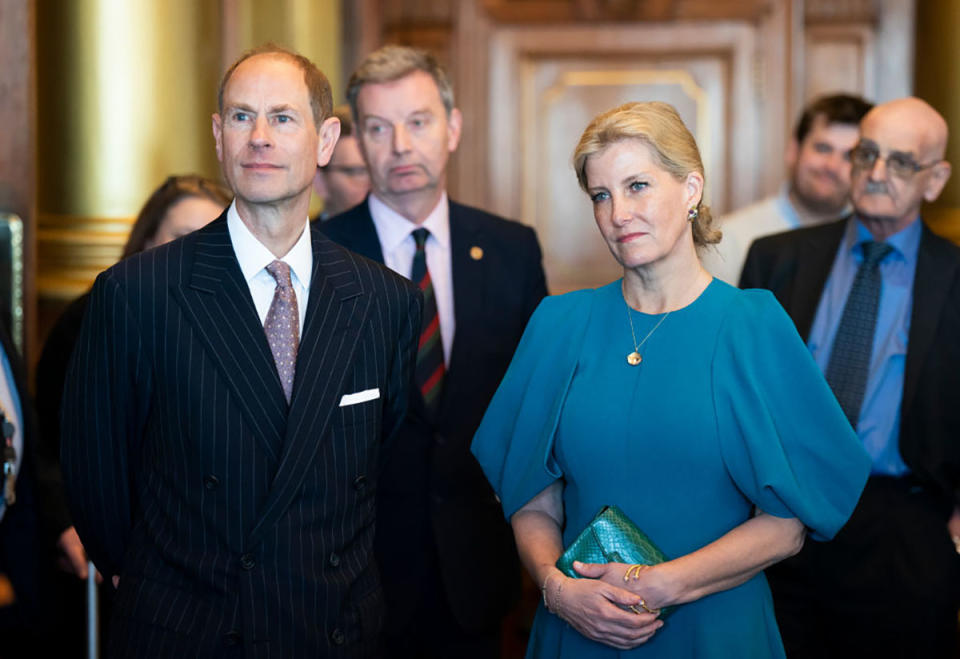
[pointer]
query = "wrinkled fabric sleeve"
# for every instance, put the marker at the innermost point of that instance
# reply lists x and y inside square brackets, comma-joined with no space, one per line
[514,443]
[784,439]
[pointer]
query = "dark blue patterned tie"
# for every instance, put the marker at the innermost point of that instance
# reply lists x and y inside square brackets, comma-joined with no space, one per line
[430,367]
[850,358]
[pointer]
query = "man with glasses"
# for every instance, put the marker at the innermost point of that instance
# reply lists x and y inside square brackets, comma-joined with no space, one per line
[343,182]
[817,190]
[876,296]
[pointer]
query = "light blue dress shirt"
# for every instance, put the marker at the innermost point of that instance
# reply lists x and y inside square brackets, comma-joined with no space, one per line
[879,423]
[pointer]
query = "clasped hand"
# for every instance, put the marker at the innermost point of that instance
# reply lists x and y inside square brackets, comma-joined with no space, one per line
[599,605]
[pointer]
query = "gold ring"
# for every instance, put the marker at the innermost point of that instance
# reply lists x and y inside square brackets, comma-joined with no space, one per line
[648,609]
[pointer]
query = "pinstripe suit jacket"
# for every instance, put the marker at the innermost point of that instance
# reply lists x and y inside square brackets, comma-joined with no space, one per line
[238,527]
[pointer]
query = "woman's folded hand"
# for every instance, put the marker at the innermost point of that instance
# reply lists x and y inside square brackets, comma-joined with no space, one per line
[602,611]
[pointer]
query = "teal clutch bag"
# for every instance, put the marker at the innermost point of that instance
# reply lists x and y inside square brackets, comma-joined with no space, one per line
[611,538]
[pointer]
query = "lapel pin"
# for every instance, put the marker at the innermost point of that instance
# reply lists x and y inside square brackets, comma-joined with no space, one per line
[476,253]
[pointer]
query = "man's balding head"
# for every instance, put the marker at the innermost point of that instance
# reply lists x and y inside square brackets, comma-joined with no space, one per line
[898,164]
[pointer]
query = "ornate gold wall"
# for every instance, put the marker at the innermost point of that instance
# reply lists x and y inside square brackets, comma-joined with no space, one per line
[125,93]
[938,82]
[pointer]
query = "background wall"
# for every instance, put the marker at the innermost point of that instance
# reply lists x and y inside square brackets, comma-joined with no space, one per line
[102,99]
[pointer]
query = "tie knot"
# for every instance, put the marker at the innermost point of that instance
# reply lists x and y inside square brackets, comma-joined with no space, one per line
[420,237]
[281,272]
[874,252]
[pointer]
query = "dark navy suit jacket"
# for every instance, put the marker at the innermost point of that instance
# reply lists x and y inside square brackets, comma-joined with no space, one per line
[437,510]
[237,526]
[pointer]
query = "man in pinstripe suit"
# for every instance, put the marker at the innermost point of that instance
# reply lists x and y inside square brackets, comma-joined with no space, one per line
[227,403]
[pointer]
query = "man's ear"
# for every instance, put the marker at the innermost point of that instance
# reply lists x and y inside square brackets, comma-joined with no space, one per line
[454,128]
[329,134]
[937,180]
[217,135]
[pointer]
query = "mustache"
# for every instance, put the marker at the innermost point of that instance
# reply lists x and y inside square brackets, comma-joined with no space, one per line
[876,187]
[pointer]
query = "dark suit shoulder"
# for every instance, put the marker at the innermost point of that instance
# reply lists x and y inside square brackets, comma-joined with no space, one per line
[366,269]
[341,227]
[488,222]
[943,246]
[788,239]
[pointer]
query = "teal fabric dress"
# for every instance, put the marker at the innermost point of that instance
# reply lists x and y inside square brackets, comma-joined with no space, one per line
[727,411]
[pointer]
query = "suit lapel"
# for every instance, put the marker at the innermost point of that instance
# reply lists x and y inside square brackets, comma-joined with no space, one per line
[217,302]
[814,262]
[469,292]
[337,309]
[935,273]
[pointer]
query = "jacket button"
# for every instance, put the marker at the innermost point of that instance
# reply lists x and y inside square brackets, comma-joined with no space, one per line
[337,637]
[360,483]
[334,560]
[247,562]
[211,482]
[232,638]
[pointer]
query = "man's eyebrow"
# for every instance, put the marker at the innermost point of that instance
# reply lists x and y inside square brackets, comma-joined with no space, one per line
[282,108]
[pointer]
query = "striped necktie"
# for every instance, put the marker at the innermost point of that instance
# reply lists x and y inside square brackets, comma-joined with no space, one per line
[430,368]
[849,362]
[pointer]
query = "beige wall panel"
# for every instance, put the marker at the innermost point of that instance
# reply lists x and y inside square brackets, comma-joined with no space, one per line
[547,83]
[563,96]
[839,59]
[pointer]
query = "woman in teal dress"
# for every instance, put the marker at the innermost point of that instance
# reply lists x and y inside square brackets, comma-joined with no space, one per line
[692,406]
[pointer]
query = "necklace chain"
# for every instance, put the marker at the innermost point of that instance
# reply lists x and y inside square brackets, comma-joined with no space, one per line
[634,357]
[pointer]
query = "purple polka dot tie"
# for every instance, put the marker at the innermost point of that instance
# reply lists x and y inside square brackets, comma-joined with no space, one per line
[283,326]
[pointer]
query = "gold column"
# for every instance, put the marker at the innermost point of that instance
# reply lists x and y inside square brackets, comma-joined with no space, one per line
[125,93]
[937,80]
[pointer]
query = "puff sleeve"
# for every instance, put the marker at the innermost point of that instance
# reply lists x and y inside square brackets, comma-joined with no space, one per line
[784,439]
[514,443]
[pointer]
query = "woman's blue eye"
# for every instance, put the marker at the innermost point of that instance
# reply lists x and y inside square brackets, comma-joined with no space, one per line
[637,186]
[599,196]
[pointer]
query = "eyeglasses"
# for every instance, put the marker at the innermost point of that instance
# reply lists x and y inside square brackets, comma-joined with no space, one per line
[899,164]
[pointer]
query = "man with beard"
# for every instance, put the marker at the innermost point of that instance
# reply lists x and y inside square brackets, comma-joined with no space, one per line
[818,189]
[876,296]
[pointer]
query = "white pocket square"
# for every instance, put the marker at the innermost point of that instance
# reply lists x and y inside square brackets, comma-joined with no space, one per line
[360,397]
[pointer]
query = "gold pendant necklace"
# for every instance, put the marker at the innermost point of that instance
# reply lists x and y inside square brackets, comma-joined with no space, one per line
[634,358]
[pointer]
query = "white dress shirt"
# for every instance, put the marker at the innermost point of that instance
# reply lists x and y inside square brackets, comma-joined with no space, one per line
[10,403]
[254,257]
[398,247]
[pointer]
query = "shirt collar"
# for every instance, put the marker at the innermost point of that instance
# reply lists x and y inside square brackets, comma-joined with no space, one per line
[254,256]
[393,228]
[905,242]
[786,208]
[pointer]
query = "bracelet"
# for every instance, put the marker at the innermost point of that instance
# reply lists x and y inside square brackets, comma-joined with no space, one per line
[543,589]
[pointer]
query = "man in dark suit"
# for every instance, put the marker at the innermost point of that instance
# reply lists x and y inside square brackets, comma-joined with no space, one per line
[447,557]
[220,461]
[877,298]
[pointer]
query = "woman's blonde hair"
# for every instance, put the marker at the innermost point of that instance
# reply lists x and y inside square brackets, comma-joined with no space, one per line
[658,126]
